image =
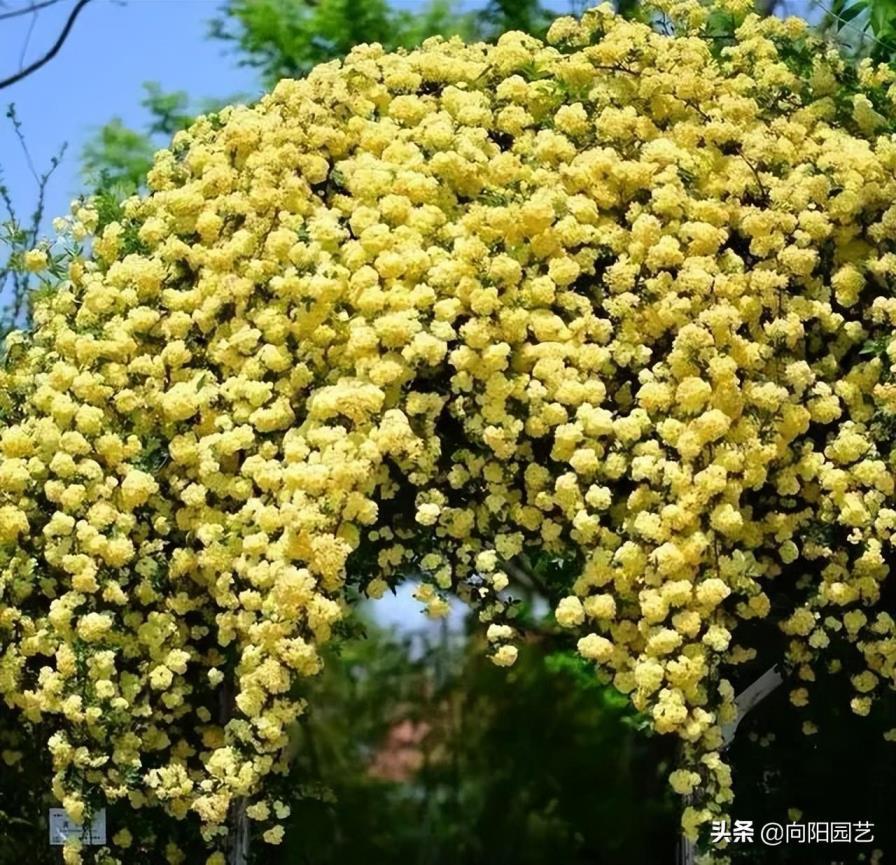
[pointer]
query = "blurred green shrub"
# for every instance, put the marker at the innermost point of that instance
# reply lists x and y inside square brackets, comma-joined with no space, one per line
[419,750]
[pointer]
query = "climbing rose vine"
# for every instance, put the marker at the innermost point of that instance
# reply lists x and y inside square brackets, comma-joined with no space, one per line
[626,298]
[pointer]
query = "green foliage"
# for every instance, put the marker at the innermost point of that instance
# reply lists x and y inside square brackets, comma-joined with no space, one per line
[874,19]
[25,794]
[499,16]
[169,111]
[117,158]
[286,38]
[418,749]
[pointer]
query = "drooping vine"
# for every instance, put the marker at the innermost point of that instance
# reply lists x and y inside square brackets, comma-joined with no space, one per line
[626,297]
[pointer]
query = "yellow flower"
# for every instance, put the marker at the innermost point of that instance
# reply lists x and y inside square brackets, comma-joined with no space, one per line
[94,626]
[505,656]
[435,311]
[595,648]
[273,835]
[799,697]
[683,781]
[717,638]
[36,260]
[123,838]
[569,612]
[13,522]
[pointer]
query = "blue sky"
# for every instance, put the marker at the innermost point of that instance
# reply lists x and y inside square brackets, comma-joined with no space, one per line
[113,48]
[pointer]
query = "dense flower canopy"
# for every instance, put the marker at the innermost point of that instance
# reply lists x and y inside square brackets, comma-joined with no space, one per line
[625,297]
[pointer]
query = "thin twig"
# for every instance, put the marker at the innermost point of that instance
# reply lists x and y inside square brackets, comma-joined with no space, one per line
[614,68]
[23,237]
[762,188]
[27,41]
[37,217]
[24,73]
[526,577]
[34,7]
[17,127]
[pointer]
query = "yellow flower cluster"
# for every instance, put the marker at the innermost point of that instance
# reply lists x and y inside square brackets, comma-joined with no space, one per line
[624,296]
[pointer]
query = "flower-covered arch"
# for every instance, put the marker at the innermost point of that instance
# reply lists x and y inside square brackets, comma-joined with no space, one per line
[624,297]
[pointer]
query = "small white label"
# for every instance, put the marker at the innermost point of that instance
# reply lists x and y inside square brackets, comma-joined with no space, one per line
[62,826]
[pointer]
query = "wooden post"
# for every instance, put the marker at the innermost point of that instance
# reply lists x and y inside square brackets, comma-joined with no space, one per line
[687,851]
[238,835]
[746,700]
[238,841]
[751,696]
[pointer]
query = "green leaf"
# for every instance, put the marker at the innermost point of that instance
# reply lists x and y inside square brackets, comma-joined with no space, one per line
[851,12]
[883,17]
